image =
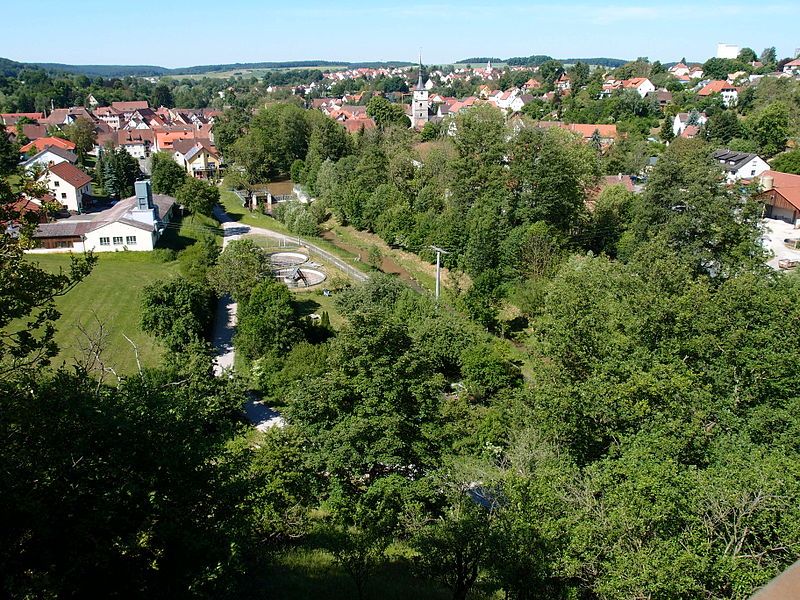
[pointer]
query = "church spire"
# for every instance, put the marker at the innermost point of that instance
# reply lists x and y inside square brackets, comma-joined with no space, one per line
[420,83]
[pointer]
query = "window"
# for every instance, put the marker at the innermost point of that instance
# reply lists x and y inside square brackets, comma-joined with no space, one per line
[130,240]
[61,244]
[55,183]
[117,240]
[104,241]
[753,173]
[63,195]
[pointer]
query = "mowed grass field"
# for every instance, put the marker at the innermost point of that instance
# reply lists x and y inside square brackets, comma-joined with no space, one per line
[110,295]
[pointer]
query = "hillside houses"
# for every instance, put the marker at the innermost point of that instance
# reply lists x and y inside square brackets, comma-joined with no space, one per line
[133,126]
[729,92]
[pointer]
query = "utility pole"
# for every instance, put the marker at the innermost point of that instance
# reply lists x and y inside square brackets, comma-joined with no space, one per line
[439,253]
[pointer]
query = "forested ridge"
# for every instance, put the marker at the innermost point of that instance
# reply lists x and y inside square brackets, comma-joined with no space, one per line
[602,404]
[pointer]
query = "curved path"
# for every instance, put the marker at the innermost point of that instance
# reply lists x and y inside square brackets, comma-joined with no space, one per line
[260,415]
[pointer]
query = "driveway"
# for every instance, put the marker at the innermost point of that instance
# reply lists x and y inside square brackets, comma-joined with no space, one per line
[775,232]
[261,416]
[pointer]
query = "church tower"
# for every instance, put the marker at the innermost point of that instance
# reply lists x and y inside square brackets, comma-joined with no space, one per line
[419,105]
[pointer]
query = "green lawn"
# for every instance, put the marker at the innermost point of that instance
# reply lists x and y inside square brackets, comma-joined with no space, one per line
[109,295]
[184,232]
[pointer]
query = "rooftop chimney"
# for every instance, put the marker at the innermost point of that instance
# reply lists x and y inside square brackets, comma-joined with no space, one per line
[144,195]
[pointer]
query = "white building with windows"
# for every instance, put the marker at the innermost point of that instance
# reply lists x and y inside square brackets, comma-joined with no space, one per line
[134,224]
[740,165]
[68,185]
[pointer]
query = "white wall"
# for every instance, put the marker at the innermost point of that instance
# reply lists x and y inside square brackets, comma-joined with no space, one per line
[65,194]
[145,240]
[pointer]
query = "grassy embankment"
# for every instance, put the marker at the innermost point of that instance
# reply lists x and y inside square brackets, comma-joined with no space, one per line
[110,296]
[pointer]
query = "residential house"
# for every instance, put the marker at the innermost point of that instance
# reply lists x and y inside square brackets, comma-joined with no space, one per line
[729,93]
[679,70]
[68,184]
[197,157]
[40,144]
[683,120]
[134,224]
[52,155]
[110,116]
[563,83]
[690,132]
[740,165]
[781,196]
[642,85]
[662,97]
[138,143]
[10,119]
[792,67]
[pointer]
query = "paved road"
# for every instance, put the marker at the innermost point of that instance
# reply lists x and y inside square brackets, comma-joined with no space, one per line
[260,415]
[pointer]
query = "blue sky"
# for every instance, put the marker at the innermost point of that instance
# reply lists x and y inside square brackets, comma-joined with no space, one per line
[175,34]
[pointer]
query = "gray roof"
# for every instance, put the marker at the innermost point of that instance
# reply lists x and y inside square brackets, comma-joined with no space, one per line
[732,160]
[70,157]
[119,213]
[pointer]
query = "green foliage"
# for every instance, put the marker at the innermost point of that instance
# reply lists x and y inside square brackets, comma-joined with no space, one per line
[277,136]
[196,260]
[385,113]
[297,217]
[198,196]
[267,321]
[770,128]
[239,269]
[116,171]
[83,135]
[177,311]
[167,176]
[9,154]
[788,162]
[711,228]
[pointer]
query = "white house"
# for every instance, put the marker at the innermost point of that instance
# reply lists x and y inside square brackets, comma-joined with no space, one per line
[792,67]
[679,70]
[68,185]
[682,121]
[133,224]
[641,84]
[740,165]
[51,155]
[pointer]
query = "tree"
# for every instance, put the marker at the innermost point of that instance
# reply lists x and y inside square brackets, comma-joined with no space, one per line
[666,133]
[167,175]
[747,55]
[579,75]
[119,172]
[9,154]
[722,127]
[550,171]
[83,135]
[196,260]
[198,196]
[177,311]
[769,56]
[278,135]
[162,96]
[684,206]
[454,547]
[788,162]
[770,128]
[385,113]
[28,292]
[239,269]
[267,321]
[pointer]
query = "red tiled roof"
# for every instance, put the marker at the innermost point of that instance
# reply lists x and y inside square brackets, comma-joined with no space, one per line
[715,87]
[71,174]
[43,142]
[786,184]
[130,106]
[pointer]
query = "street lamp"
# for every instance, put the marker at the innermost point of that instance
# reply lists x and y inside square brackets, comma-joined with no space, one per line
[439,253]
